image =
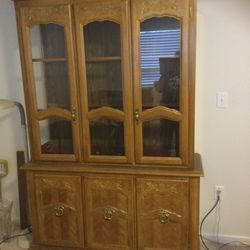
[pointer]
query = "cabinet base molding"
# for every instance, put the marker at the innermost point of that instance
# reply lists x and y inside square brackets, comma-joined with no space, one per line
[43,247]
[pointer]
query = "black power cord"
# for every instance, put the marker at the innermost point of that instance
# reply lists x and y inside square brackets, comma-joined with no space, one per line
[14,236]
[202,222]
[239,244]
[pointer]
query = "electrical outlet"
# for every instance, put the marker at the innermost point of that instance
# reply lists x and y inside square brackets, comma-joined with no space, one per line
[219,190]
[3,168]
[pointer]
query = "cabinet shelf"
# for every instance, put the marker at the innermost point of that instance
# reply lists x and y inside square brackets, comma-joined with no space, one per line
[103,58]
[48,60]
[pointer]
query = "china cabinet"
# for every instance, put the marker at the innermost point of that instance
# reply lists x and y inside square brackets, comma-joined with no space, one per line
[109,90]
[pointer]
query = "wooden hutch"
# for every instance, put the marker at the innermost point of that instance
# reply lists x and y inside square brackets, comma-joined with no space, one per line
[109,90]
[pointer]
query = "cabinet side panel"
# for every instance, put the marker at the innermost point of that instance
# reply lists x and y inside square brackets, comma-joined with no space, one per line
[194,242]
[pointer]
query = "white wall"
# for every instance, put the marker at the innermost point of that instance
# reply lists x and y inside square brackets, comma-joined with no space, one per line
[10,88]
[222,135]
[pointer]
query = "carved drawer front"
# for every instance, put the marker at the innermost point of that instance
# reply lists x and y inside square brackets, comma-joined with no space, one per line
[109,213]
[162,214]
[59,210]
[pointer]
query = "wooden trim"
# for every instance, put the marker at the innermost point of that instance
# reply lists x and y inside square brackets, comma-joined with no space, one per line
[57,157]
[53,112]
[91,11]
[82,82]
[106,113]
[23,193]
[195,170]
[102,59]
[127,81]
[192,66]
[48,60]
[33,211]
[184,85]
[107,159]
[72,84]
[194,203]
[25,81]
[42,3]
[158,8]
[136,80]
[161,112]
[161,160]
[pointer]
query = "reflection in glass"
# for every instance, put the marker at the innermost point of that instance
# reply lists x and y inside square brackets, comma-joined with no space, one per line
[51,84]
[164,142]
[56,136]
[47,40]
[160,44]
[104,85]
[50,66]
[107,137]
[102,39]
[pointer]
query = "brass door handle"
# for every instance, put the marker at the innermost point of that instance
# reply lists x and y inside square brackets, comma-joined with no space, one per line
[163,216]
[59,210]
[73,114]
[108,213]
[137,115]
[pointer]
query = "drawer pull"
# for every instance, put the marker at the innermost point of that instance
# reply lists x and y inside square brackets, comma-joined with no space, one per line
[108,213]
[59,210]
[163,216]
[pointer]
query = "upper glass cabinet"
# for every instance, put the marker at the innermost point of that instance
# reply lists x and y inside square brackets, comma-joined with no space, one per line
[51,87]
[160,79]
[103,49]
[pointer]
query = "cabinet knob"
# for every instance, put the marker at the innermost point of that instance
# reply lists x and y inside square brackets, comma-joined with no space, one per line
[163,216]
[137,115]
[73,114]
[108,213]
[59,210]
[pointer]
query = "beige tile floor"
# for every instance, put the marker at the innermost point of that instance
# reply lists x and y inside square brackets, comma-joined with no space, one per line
[12,245]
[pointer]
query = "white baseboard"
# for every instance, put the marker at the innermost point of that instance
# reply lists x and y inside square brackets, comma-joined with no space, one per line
[227,238]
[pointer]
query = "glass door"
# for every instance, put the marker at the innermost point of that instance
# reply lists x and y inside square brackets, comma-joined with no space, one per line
[104,60]
[161,81]
[50,82]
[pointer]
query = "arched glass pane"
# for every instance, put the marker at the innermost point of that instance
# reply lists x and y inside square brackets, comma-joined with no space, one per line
[47,40]
[160,45]
[161,138]
[50,66]
[103,64]
[102,39]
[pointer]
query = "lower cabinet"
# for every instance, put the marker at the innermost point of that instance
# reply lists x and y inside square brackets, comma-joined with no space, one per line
[58,210]
[109,213]
[162,214]
[113,212]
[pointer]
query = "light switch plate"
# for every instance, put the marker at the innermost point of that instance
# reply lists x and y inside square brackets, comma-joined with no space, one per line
[3,168]
[222,99]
